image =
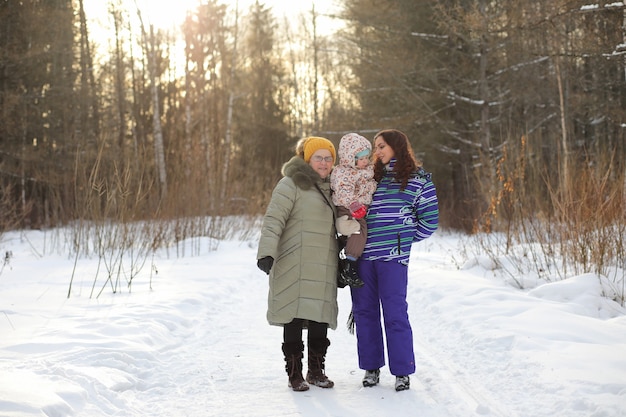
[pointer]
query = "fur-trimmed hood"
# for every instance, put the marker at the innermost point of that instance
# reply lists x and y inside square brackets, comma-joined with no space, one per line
[302,174]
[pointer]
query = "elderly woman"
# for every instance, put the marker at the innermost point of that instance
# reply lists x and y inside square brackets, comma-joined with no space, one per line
[298,249]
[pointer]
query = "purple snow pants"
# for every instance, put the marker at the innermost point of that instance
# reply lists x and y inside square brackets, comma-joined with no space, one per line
[386,286]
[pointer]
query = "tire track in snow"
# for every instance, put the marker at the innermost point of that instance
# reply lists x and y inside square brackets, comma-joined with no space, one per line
[445,384]
[445,381]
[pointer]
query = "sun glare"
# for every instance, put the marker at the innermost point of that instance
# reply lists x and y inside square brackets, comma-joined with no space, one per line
[165,14]
[170,15]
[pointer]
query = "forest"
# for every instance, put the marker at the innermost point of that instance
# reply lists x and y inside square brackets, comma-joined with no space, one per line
[516,107]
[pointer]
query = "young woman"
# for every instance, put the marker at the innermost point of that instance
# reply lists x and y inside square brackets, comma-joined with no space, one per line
[298,249]
[404,210]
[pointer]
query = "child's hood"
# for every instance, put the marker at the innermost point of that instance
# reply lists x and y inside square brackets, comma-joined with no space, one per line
[349,145]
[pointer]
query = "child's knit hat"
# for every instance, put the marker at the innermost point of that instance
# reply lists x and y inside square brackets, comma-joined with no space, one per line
[363,153]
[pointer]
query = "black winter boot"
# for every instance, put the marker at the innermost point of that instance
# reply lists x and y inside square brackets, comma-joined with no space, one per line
[293,365]
[341,282]
[349,275]
[316,358]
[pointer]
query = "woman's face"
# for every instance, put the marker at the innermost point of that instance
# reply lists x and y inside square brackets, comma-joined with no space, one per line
[322,162]
[383,151]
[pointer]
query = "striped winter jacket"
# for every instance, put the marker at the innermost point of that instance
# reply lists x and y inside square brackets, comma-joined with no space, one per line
[396,219]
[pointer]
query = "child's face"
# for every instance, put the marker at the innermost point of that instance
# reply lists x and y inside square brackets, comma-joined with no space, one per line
[363,162]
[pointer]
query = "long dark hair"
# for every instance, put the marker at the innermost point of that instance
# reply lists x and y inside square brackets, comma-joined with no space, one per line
[405,164]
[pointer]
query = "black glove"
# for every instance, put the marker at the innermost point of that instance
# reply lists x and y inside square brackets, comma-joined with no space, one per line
[265,264]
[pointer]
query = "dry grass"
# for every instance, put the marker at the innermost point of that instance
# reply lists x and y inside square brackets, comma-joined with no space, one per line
[122,220]
[558,228]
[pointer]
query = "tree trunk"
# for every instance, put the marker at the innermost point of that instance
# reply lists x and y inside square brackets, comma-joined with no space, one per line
[229,115]
[564,157]
[159,154]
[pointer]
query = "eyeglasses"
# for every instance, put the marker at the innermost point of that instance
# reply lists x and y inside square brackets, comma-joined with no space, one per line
[319,158]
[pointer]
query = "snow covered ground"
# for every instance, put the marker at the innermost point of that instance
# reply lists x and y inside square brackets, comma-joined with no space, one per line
[198,344]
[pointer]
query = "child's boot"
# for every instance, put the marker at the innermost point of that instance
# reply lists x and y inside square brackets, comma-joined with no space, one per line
[350,275]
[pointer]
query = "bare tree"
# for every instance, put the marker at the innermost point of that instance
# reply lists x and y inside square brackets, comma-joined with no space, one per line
[149,44]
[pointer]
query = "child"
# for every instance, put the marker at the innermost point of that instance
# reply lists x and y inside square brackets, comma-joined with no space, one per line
[353,184]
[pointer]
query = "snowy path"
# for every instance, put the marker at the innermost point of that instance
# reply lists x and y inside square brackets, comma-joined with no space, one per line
[198,345]
[232,361]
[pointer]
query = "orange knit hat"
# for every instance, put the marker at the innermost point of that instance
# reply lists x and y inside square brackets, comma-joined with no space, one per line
[314,143]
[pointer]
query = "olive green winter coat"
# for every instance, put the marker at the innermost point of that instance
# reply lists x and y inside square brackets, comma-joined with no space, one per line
[299,233]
